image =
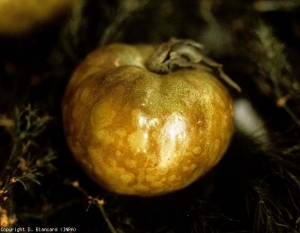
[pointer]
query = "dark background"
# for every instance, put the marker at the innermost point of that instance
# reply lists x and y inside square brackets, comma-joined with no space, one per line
[255,188]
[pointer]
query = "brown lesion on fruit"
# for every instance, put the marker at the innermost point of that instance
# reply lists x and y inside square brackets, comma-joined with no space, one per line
[176,54]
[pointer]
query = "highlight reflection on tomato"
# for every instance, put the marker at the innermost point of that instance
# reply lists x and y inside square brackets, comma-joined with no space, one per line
[146,121]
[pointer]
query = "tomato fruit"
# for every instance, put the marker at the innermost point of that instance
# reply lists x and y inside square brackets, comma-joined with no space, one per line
[139,132]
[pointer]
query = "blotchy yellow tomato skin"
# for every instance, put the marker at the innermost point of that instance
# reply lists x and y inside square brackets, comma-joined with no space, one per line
[139,133]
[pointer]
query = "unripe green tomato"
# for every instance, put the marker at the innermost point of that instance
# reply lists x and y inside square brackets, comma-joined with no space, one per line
[137,132]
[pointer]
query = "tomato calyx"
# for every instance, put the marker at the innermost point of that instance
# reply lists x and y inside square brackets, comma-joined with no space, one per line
[178,54]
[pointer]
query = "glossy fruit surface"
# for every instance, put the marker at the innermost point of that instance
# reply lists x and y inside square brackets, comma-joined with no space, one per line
[138,132]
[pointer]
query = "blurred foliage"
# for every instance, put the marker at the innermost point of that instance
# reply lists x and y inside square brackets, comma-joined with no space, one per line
[255,188]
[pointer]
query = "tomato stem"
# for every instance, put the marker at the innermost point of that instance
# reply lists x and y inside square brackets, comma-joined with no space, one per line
[178,54]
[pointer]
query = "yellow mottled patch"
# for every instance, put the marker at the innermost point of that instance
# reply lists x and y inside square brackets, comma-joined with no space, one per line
[131,163]
[189,168]
[95,156]
[156,184]
[136,113]
[76,95]
[104,136]
[76,147]
[193,167]
[152,177]
[186,168]
[113,163]
[127,178]
[102,115]
[161,171]
[141,188]
[138,142]
[214,148]
[85,94]
[109,171]
[172,177]
[121,132]
[197,150]
[221,102]
[118,153]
